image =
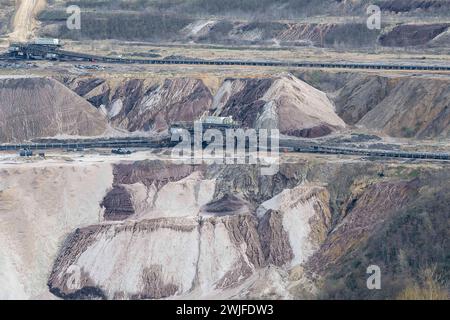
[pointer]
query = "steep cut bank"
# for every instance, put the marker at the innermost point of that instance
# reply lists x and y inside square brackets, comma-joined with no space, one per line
[212,256]
[32,107]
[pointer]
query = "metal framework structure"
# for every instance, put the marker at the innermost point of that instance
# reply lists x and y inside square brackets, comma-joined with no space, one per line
[46,52]
[294,146]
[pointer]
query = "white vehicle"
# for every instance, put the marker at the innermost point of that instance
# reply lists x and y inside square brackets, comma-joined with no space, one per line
[47,42]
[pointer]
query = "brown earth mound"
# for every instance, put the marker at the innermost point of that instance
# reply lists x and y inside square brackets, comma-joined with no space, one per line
[42,107]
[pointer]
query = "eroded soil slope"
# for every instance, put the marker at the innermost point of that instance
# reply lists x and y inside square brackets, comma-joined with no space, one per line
[145,104]
[282,102]
[233,232]
[39,205]
[43,107]
[324,103]
[399,106]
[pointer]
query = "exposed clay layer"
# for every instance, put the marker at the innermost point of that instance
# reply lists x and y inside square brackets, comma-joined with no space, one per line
[274,239]
[152,172]
[211,254]
[118,204]
[144,105]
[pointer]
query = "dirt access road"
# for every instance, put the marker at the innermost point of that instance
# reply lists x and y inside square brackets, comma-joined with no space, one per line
[25,22]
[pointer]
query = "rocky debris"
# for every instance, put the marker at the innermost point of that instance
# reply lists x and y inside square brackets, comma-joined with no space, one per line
[360,95]
[193,192]
[175,100]
[146,190]
[256,31]
[84,85]
[310,33]
[154,287]
[413,108]
[241,99]
[32,107]
[270,23]
[322,34]
[269,283]
[152,173]
[305,220]
[401,245]
[199,28]
[247,182]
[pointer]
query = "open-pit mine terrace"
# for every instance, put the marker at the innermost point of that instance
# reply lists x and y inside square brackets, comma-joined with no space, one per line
[39,52]
[286,145]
